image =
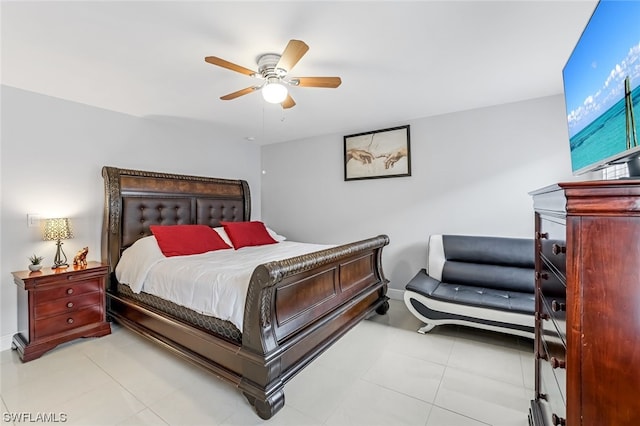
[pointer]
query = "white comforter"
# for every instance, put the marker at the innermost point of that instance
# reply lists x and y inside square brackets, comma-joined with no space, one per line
[213,283]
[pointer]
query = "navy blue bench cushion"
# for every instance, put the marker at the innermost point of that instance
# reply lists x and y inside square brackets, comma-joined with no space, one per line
[518,252]
[492,276]
[484,297]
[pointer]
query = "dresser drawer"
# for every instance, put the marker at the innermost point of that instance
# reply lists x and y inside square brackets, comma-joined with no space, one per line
[67,321]
[41,279]
[553,245]
[552,401]
[67,304]
[553,374]
[551,283]
[553,315]
[43,296]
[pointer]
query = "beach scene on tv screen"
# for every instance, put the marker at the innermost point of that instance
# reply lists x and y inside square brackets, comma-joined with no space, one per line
[607,53]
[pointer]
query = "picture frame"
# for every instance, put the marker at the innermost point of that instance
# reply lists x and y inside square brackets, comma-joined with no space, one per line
[378,154]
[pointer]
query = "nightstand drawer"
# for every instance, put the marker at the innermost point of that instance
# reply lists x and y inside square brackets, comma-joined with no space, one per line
[68,321]
[67,289]
[67,304]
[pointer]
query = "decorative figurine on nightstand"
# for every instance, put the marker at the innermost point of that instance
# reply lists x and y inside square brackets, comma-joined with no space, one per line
[80,259]
[35,263]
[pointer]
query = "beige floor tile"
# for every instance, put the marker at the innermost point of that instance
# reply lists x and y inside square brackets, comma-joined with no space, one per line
[318,390]
[487,359]
[53,387]
[145,417]
[106,405]
[441,417]
[481,398]
[410,376]
[368,404]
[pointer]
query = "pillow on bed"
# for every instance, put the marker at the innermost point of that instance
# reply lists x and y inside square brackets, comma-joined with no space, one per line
[243,234]
[182,240]
[275,235]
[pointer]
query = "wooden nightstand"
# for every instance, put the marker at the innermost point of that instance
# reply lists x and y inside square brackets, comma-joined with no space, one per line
[59,305]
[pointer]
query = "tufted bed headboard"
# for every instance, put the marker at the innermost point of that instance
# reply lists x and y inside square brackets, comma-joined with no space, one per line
[135,200]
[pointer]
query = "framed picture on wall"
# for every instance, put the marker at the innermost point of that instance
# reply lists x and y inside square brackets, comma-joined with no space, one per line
[377,154]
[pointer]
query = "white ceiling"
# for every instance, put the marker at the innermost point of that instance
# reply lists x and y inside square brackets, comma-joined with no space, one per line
[398,60]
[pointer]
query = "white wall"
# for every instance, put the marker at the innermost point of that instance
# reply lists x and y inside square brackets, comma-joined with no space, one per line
[51,160]
[471,174]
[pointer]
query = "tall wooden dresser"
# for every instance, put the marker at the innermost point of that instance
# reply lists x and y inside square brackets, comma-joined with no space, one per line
[587,337]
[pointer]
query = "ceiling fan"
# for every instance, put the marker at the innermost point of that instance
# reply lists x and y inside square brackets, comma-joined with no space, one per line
[273,71]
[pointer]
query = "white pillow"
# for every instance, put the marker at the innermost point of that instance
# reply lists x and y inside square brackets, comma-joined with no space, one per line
[223,234]
[136,261]
[275,235]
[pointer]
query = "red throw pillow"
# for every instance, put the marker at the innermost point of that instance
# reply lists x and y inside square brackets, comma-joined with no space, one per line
[181,240]
[243,234]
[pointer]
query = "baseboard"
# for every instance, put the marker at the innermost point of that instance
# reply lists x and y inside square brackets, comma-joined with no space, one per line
[5,342]
[395,294]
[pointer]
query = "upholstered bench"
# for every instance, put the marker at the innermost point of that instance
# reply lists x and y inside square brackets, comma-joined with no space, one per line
[479,281]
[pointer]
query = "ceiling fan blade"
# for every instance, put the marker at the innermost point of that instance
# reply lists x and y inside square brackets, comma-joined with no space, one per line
[229,65]
[292,53]
[288,102]
[239,93]
[329,82]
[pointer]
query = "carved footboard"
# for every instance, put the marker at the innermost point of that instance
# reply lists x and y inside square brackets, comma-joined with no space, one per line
[296,308]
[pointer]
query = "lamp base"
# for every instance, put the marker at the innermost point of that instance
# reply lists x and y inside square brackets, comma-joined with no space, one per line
[60,266]
[60,261]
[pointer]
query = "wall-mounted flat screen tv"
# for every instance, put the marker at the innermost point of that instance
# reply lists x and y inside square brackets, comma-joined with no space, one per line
[602,89]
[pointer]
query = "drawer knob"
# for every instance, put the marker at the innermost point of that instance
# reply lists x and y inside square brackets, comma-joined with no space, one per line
[558,421]
[542,235]
[542,276]
[558,306]
[70,305]
[558,249]
[543,396]
[69,320]
[541,356]
[69,291]
[542,316]
[557,363]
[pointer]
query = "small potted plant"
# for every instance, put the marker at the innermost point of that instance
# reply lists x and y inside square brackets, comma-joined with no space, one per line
[36,264]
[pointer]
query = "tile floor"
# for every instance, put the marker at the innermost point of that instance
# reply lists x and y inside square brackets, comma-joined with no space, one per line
[381,373]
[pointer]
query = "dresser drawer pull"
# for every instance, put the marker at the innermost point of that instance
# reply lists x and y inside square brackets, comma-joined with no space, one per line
[557,363]
[542,356]
[558,306]
[69,291]
[558,421]
[540,316]
[70,305]
[558,249]
[542,276]
[543,396]
[542,235]
[69,320]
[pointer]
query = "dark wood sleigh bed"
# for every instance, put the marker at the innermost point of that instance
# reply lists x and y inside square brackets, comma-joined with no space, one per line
[295,308]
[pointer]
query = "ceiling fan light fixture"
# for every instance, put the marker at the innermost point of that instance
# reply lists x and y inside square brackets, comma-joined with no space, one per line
[274,92]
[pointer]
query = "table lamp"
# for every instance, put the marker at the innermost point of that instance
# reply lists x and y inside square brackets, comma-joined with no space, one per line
[56,230]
